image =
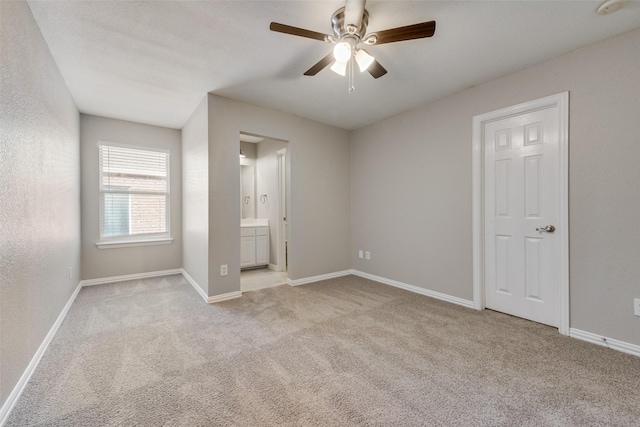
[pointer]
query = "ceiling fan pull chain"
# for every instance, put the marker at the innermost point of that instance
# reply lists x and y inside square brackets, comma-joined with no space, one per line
[352,83]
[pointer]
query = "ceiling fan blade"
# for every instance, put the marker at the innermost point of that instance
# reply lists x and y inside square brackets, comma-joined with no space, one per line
[320,65]
[410,32]
[376,70]
[295,31]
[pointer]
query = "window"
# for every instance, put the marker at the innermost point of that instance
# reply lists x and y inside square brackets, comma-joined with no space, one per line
[134,196]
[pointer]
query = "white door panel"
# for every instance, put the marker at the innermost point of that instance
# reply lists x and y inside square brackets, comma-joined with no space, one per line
[521,188]
[262,250]
[247,251]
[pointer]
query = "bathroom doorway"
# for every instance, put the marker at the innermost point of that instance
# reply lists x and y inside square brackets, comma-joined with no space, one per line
[263,199]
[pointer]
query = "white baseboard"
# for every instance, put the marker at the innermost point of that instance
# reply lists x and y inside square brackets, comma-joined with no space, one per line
[394,283]
[114,279]
[208,299]
[224,297]
[201,292]
[24,379]
[416,289]
[195,285]
[313,279]
[611,343]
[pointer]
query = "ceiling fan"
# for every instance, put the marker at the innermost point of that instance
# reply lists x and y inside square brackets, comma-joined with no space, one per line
[349,30]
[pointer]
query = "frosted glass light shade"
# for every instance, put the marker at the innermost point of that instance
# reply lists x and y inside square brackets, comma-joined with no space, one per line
[339,68]
[342,52]
[364,60]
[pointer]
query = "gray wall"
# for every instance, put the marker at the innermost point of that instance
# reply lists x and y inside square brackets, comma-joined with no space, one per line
[411,184]
[99,263]
[39,193]
[195,201]
[319,194]
[267,184]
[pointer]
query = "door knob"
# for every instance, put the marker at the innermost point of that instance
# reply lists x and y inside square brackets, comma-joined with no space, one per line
[548,229]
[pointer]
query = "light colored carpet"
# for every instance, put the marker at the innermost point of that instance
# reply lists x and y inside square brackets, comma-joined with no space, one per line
[340,352]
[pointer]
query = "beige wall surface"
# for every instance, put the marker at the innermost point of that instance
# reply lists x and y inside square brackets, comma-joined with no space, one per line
[411,184]
[319,194]
[99,263]
[39,193]
[195,202]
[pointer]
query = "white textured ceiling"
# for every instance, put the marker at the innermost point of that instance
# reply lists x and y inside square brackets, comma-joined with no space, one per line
[153,61]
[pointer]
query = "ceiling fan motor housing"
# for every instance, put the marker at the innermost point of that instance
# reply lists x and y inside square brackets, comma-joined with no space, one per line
[339,29]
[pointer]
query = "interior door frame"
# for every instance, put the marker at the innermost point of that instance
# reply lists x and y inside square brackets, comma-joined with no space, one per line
[561,100]
[282,210]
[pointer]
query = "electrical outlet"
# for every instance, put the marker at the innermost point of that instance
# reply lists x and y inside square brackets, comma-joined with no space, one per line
[636,306]
[360,255]
[367,255]
[224,270]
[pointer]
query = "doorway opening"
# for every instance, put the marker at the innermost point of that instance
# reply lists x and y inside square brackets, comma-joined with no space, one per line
[264,186]
[520,211]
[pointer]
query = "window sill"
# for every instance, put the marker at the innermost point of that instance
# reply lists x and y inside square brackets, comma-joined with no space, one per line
[112,244]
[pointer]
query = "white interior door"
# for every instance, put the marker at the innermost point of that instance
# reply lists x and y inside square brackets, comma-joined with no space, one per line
[521,215]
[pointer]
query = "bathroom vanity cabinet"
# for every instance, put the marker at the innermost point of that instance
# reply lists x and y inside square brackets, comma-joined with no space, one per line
[254,246]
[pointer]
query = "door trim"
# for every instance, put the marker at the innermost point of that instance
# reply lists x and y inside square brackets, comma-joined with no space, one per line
[281,253]
[561,100]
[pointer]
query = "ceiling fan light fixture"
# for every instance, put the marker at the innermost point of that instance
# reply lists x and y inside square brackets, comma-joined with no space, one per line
[342,52]
[339,68]
[364,60]
[611,6]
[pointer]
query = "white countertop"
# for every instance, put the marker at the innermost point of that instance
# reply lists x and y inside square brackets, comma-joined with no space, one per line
[254,222]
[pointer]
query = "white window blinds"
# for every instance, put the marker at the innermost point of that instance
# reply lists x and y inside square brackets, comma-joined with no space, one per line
[134,192]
